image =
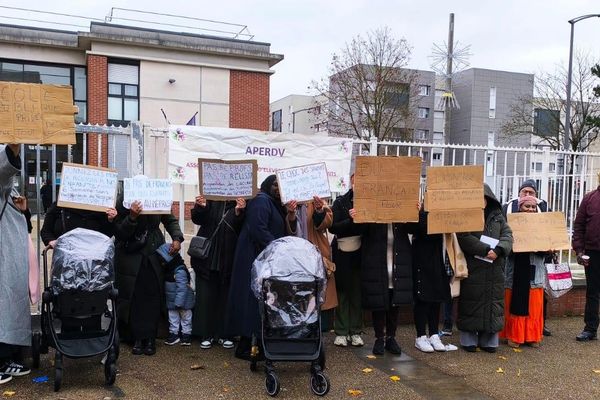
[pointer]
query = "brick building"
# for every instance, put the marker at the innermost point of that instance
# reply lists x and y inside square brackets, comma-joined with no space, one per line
[123,73]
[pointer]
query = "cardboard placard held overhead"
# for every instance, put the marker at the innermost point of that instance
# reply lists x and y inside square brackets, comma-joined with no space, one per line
[87,188]
[454,199]
[34,113]
[303,182]
[386,189]
[156,195]
[539,231]
[227,180]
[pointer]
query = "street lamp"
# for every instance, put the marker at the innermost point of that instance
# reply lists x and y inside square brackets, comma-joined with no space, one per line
[568,111]
[294,117]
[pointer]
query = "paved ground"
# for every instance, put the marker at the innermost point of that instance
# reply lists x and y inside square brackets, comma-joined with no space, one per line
[560,369]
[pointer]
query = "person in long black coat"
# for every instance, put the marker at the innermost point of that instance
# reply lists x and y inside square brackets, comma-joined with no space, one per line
[139,275]
[386,280]
[264,222]
[221,221]
[431,284]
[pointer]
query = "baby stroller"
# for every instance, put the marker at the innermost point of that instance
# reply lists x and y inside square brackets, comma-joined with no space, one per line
[289,280]
[75,301]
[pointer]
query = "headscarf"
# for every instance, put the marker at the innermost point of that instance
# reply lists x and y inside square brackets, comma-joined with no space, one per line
[265,187]
[528,199]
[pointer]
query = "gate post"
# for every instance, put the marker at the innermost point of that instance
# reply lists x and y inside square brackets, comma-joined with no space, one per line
[373,146]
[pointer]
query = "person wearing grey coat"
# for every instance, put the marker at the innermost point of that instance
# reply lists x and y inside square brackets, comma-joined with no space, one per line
[15,320]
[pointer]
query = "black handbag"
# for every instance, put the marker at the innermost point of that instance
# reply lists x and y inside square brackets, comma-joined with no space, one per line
[137,243]
[200,246]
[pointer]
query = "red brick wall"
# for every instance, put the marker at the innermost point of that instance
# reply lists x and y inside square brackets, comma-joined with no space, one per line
[249,100]
[97,95]
[188,207]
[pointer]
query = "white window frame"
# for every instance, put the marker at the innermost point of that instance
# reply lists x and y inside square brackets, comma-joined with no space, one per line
[424,90]
[423,112]
[492,112]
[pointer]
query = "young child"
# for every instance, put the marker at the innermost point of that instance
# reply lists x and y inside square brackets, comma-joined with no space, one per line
[180,297]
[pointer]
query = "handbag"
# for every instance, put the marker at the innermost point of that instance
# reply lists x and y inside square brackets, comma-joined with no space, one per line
[558,279]
[200,246]
[137,243]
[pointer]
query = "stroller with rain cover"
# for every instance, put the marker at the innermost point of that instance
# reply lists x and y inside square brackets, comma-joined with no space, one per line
[289,280]
[75,302]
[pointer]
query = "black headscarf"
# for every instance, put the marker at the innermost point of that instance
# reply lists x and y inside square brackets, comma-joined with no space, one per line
[265,187]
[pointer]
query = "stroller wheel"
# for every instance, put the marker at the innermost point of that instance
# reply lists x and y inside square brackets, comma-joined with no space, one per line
[110,373]
[319,384]
[36,344]
[57,378]
[272,384]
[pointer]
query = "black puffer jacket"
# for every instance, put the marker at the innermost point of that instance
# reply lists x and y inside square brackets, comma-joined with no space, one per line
[481,304]
[374,272]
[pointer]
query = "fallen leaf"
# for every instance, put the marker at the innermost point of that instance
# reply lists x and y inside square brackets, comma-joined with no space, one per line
[196,367]
[500,371]
[8,393]
[517,350]
[225,389]
[596,371]
[477,350]
[519,372]
[395,378]
[392,369]
[226,364]
[355,392]
[367,370]
[372,357]
[502,358]
[106,398]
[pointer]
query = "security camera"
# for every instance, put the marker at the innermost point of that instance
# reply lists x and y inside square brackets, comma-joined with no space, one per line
[171,81]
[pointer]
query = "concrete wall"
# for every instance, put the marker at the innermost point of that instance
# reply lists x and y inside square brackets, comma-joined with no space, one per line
[42,54]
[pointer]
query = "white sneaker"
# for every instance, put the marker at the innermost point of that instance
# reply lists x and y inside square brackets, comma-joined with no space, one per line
[206,344]
[4,378]
[436,343]
[451,347]
[356,341]
[227,344]
[422,343]
[340,341]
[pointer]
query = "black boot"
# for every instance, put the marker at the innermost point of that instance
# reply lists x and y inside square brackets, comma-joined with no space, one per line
[150,348]
[137,348]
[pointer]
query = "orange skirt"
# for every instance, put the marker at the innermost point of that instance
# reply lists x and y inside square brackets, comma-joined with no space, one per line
[524,329]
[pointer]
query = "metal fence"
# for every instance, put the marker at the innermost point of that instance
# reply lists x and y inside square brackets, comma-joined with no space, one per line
[562,177]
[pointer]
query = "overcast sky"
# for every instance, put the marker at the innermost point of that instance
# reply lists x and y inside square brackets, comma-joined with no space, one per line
[511,35]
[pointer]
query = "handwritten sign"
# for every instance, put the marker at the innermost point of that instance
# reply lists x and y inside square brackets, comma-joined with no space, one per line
[539,231]
[304,182]
[386,189]
[87,188]
[156,195]
[36,114]
[227,180]
[454,199]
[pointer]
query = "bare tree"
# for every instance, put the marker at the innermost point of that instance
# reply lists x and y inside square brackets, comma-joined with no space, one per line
[549,94]
[369,90]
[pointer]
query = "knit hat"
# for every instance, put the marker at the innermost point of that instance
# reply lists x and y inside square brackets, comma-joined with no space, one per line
[528,200]
[529,183]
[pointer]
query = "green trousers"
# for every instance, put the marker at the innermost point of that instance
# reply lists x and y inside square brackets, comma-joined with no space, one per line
[349,313]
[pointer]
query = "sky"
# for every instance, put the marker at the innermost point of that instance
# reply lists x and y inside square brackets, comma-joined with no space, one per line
[512,35]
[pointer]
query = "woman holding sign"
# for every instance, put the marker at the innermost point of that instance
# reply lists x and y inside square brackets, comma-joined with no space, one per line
[524,292]
[138,272]
[221,221]
[265,222]
[481,304]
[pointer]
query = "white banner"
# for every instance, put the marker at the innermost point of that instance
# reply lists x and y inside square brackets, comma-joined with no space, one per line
[272,151]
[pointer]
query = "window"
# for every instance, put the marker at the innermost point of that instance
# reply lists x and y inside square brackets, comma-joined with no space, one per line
[437,156]
[492,102]
[123,93]
[491,139]
[552,167]
[438,114]
[397,95]
[424,90]
[421,134]
[546,122]
[423,112]
[438,137]
[536,166]
[276,121]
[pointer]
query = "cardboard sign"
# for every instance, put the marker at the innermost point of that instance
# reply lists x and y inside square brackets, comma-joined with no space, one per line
[304,182]
[36,114]
[156,195]
[87,188]
[539,231]
[386,189]
[227,180]
[454,199]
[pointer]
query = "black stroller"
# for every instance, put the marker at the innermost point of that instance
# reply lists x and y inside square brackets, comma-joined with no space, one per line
[289,280]
[75,302]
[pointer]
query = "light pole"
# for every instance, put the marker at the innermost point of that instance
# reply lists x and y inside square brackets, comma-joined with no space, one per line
[294,117]
[568,110]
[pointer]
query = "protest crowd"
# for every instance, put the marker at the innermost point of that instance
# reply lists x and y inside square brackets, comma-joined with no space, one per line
[374,267]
